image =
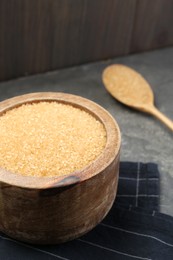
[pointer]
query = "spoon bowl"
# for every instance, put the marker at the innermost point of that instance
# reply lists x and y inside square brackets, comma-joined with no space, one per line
[131,89]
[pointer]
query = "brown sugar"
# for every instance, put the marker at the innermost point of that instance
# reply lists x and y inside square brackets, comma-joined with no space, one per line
[49,139]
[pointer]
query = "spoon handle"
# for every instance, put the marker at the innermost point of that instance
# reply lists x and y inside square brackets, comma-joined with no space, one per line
[155,112]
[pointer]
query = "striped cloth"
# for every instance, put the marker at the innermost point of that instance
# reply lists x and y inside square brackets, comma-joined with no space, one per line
[133,229]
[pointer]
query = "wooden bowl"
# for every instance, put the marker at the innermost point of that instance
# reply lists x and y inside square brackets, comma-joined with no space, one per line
[50,210]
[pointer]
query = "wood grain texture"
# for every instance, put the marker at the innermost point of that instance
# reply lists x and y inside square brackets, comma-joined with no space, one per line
[51,210]
[44,35]
[153,25]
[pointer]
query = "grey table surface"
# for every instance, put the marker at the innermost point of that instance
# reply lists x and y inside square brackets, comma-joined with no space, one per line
[144,138]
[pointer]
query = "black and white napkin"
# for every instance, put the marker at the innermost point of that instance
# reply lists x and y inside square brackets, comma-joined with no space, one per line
[133,229]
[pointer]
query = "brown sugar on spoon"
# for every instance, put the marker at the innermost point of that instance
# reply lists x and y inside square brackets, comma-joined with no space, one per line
[49,139]
[131,89]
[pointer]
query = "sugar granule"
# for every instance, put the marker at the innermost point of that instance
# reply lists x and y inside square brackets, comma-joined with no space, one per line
[49,139]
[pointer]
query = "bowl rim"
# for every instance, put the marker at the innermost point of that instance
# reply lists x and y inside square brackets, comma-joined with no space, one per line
[106,157]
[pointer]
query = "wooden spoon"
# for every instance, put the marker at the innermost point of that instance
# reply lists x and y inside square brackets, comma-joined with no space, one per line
[131,89]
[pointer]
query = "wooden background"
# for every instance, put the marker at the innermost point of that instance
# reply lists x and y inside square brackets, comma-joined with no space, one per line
[43,35]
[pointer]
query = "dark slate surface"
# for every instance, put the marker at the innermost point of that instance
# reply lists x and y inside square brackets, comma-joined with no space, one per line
[144,138]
